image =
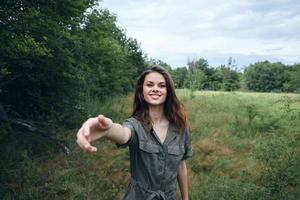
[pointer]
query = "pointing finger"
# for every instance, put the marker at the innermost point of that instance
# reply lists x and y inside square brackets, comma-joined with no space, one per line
[104,122]
[83,142]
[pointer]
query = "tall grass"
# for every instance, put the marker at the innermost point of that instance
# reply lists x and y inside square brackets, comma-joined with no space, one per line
[246,146]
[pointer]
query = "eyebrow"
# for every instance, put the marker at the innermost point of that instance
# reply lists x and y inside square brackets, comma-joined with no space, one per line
[153,82]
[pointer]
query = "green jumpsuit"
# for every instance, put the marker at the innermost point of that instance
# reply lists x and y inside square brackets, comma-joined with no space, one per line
[154,164]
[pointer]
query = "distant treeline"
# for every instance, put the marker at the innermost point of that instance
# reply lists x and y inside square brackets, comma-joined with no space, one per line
[259,77]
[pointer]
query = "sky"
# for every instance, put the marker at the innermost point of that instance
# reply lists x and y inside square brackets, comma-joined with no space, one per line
[176,31]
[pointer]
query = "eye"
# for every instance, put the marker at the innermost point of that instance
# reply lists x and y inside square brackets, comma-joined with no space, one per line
[162,85]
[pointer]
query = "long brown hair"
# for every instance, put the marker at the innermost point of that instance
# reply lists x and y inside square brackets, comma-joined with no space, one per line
[173,108]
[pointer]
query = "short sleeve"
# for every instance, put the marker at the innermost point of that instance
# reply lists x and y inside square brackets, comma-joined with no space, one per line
[187,145]
[128,124]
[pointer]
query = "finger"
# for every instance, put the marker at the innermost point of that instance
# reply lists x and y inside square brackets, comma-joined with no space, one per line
[92,149]
[102,121]
[83,142]
[87,147]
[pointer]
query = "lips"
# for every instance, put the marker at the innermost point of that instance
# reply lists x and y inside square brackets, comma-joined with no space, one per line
[154,95]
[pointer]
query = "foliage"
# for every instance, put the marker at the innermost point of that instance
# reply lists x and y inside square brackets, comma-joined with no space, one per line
[179,76]
[201,76]
[229,80]
[293,82]
[112,60]
[57,56]
[196,79]
[265,76]
[261,76]
[198,74]
[36,51]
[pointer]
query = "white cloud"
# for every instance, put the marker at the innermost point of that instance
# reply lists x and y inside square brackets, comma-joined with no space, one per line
[248,30]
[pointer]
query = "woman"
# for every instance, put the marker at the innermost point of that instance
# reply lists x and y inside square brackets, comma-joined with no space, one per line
[157,136]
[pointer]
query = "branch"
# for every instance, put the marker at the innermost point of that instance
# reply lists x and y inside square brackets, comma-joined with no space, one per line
[29,127]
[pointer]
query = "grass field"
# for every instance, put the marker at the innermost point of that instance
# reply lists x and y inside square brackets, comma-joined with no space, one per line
[245,146]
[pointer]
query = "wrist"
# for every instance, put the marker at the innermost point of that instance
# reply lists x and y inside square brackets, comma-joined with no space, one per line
[185,197]
[109,123]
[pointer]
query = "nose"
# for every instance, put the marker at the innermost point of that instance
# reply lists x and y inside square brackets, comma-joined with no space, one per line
[155,89]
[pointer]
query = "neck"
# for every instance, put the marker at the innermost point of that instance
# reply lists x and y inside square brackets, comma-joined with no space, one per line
[157,114]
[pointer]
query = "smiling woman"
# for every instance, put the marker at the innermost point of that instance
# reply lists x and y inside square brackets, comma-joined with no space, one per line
[157,135]
[154,89]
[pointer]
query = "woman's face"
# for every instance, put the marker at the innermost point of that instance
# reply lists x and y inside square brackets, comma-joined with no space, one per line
[155,89]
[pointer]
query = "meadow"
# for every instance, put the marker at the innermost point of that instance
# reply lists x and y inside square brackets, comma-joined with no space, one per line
[245,146]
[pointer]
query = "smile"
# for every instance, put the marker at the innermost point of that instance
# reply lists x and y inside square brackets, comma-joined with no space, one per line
[154,95]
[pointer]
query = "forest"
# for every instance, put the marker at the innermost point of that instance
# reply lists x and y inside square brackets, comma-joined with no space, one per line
[63,61]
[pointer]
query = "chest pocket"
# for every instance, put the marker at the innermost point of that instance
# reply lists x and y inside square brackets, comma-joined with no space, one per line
[149,156]
[175,154]
[176,150]
[149,147]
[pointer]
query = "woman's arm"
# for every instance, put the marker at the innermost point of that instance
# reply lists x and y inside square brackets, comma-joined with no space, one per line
[182,179]
[98,127]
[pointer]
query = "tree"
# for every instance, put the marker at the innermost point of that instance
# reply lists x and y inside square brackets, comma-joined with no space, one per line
[231,80]
[195,79]
[36,48]
[199,73]
[232,64]
[179,76]
[293,81]
[265,76]
[159,62]
[226,79]
[53,57]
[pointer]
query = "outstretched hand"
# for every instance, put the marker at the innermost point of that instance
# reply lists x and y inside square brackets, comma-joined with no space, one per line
[93,129]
